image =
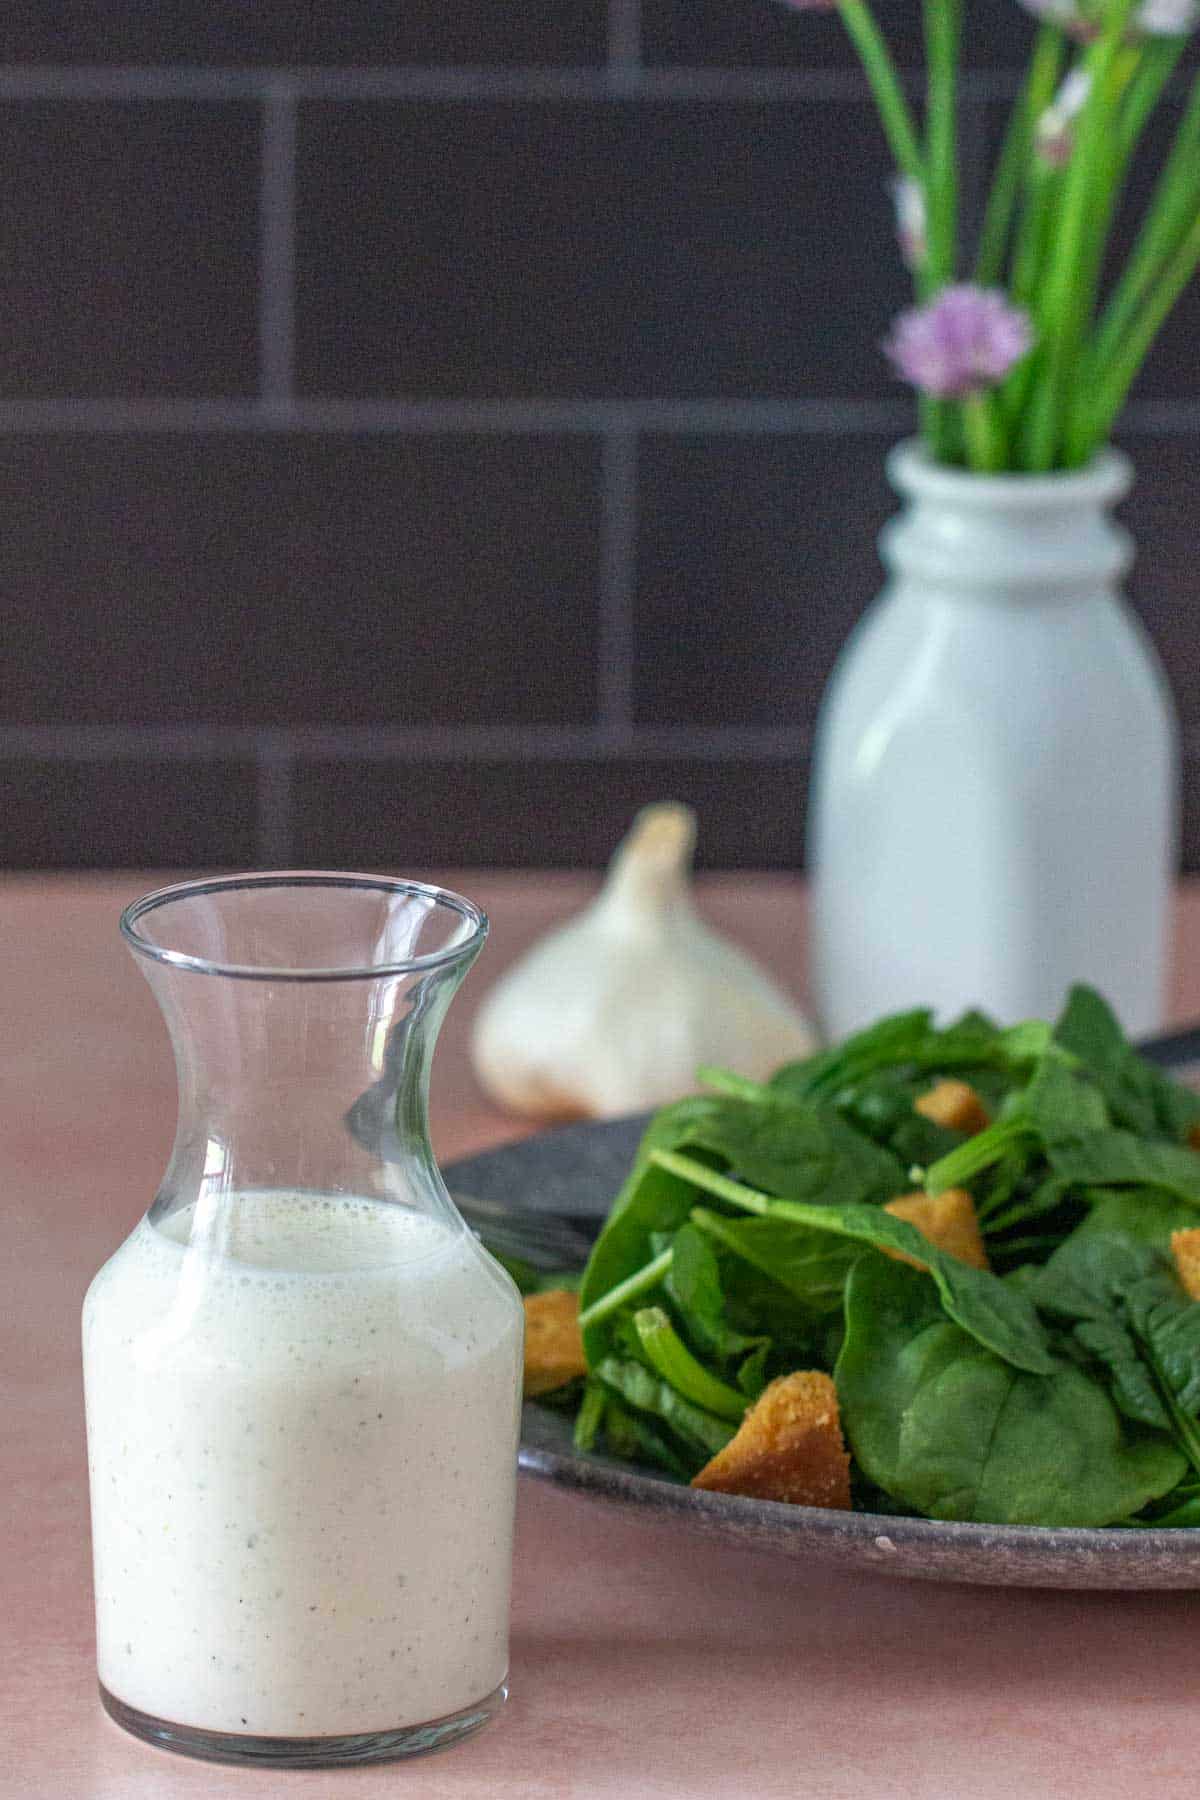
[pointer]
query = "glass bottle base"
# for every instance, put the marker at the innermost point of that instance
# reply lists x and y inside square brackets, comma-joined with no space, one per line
[304,1752]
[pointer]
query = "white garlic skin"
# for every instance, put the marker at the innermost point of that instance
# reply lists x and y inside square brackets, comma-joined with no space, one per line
[616,1010]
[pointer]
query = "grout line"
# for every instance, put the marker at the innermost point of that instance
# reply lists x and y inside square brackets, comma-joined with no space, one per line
[102,743]
[1157,418]
[618,577]
[279,750]
[277,248]
[284,747]
[625,37]
[275,804]
[773,417]
[476,82]
[518,418]
[421,417]
[32,81]
[449,743]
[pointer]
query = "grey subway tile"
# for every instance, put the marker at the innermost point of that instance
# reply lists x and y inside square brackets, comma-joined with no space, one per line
[772,34]
[292,579]
[527,814]
[756,556]
[130,248]
[291,32]
[626,250]
[127,812]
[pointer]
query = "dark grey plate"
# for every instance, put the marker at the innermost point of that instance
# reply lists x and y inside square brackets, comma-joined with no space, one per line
[575,1171]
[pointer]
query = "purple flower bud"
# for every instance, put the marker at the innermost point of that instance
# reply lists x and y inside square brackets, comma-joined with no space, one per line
[1055,130]
[908,198]
[1084,19]
[1167,18]
[1068,13]
[964,340]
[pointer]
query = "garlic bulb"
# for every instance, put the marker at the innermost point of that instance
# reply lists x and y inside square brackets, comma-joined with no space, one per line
[617,1009]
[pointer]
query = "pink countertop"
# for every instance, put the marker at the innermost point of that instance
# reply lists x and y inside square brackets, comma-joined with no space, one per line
[645,1662]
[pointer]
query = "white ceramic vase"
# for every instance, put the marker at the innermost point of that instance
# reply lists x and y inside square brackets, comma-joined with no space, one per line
[994,800]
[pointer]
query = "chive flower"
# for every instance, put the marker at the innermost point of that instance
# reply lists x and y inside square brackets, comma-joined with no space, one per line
[961,343]
[1039,269]
[1084,19]
[908,199]
[1055,130]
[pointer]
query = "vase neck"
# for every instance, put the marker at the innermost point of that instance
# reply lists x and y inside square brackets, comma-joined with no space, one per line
[303,1023]
[1007,536]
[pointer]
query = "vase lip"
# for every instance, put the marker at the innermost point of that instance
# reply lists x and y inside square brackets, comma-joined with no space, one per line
[911,470]
[475,922]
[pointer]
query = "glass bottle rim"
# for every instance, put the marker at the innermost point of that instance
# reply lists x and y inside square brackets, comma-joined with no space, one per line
[475,919]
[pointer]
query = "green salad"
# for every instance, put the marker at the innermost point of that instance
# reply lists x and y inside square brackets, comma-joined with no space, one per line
[1058,1385]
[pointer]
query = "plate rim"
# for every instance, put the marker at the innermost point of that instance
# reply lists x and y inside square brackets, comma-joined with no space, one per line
[640,1487]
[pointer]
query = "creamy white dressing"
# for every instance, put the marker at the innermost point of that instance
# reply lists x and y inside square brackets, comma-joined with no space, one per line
[302,1422]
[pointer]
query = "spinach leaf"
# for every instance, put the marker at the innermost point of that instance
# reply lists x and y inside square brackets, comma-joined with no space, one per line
[812,1265]
[889,1041]
[752,1376]
[1057,1106]
[1121,1159]
[1089,1273]
[911,1042]
[647,1392]
[798,1149]
[1061,1103]
[1132,1316]
[670,1357]
[795,1148]
[758,1304]
[631,1437]
[1140,1097]
[1147,1214]
[590,1416]
[883,1107]
[1179,1508]
[1010,1141]
[1037,1199]
[649,1201]
[693,1285]
[994,1313]
[950,1429]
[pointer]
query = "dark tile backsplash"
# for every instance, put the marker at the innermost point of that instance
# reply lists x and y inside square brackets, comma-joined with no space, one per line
[776,34]
[541,811]
[757,554]
[574,248]
[293,579]
[1165,582]
[297,33]
[130,247]
[427,434]
[129,812]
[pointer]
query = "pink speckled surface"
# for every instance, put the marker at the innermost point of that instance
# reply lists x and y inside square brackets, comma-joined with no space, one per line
[645,1663]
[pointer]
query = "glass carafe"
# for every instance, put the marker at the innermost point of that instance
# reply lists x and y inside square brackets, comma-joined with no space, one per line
[302,1371]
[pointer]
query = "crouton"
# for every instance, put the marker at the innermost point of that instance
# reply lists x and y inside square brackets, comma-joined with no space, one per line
[955,1105]
[948,1221]
[1193,1138]
[1185,1248]
[788,1447]
[553,1344]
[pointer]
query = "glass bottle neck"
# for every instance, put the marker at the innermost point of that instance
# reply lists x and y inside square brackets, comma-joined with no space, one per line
[303,1011]
[305,1087]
